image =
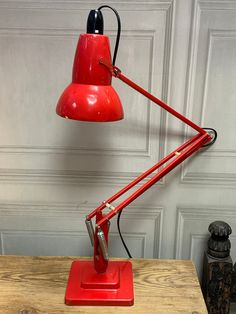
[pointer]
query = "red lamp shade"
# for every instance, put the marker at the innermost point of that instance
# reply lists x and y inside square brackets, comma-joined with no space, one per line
[90,96]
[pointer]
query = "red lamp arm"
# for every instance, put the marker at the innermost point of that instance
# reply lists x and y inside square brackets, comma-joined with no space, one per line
[118,74]
[100,238]
[180,154]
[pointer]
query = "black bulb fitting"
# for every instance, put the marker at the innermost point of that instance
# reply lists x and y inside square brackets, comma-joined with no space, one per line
[95,22]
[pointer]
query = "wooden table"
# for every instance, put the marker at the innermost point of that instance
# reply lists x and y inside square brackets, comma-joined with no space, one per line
[32,285]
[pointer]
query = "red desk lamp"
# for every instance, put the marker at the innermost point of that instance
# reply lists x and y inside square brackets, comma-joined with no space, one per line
[90,97]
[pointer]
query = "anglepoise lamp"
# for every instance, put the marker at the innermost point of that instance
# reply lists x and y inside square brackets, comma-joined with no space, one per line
[91,97]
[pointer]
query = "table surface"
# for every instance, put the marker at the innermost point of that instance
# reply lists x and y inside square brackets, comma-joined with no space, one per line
[32,285]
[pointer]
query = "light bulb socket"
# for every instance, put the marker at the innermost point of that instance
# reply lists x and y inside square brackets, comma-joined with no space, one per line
[95,22]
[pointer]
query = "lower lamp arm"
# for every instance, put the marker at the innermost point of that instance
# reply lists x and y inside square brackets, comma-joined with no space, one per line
[179,158]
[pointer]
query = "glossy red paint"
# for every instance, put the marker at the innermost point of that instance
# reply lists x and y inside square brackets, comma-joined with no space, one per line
[87,287]
[90,96]
[87,69]
[98,103]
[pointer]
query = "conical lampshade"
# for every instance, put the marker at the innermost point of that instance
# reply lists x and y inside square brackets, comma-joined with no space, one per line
[90,96]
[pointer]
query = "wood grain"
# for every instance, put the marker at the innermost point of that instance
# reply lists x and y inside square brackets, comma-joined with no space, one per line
[32,285]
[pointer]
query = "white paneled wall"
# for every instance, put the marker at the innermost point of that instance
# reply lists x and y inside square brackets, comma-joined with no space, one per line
[54,171]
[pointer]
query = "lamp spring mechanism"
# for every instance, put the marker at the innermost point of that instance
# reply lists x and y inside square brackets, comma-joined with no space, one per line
[90,229]
[102,243]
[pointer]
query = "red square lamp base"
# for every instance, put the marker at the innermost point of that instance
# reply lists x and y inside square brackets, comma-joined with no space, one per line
[86,287]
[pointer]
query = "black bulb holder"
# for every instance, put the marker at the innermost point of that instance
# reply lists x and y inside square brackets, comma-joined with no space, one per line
[95,22]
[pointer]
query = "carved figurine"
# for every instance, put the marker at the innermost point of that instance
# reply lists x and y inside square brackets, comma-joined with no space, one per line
[217,269]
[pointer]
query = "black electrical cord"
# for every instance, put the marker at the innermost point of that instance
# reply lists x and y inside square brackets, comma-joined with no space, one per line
[121,237]
[118,31]
[113,62]
[210,131]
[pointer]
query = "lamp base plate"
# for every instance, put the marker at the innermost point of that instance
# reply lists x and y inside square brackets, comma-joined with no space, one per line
[87,287]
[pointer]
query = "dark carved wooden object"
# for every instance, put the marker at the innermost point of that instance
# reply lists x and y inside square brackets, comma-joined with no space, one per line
[217,269]
[233,285]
